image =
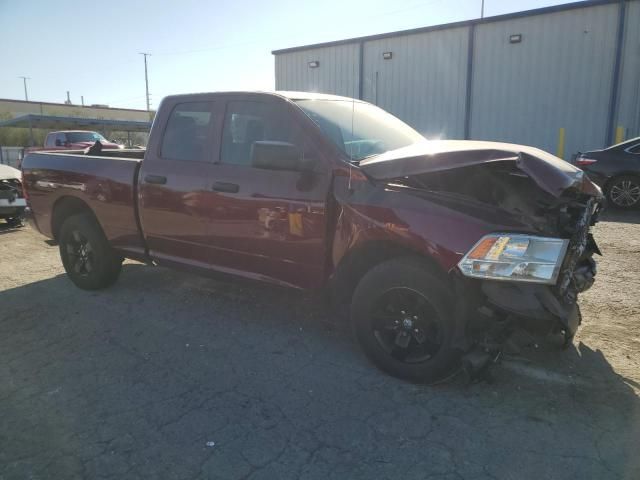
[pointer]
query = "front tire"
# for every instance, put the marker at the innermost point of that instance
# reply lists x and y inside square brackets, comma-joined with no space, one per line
[86,254]
[624,192]
[402,318]
[14,222]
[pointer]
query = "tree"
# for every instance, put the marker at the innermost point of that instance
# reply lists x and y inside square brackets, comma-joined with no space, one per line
[19,136]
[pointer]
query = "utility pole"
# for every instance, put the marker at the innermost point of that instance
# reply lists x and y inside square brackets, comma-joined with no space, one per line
[482,10]
[146,77]
[24,80]
[82,100]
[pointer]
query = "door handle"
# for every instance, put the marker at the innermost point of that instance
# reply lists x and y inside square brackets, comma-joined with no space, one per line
[157,179]
[226,187]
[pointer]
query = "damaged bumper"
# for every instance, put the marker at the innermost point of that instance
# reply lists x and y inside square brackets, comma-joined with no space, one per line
[12,201]
[533,307]
[537,308]
[540,306]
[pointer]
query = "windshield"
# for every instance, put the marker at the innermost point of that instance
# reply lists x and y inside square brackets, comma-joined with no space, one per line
[374,130]
[77,137]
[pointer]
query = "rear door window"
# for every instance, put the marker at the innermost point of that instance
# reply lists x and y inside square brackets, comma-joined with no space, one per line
[188,133]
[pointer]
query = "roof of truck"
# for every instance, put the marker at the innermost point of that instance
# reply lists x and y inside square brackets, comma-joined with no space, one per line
[310,96]
[278,93]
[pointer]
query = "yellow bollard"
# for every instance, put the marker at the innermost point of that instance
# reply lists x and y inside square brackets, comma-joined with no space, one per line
[560,151]
[619,134]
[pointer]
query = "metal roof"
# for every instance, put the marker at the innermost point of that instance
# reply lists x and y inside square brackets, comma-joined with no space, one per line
[465,23]
[64,123]
[70,105]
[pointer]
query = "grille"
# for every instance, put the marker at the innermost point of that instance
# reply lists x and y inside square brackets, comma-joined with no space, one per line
[579,250]
[10,189]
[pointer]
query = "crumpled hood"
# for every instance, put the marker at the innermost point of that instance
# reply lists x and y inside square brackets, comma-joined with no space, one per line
[550,173]
[9,173]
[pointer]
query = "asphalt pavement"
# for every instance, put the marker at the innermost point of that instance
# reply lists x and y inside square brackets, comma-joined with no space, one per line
[172,376]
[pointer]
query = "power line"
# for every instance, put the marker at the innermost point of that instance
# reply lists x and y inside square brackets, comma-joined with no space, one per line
[279,37]
[401,10]
[220,47]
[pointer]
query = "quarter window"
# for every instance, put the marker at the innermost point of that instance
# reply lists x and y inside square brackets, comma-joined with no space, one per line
[246,122]
[188,132]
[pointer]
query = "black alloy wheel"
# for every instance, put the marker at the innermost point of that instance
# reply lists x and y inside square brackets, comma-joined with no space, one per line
[402,316]
[86,254]
[80,254]
[624,192]
[406,325]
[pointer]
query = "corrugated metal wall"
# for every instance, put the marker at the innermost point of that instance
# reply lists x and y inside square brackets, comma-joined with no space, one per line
[629,99]
[423,83]
[559,76]
[337,74]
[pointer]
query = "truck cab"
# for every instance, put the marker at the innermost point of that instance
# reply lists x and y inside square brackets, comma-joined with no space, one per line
[245,179]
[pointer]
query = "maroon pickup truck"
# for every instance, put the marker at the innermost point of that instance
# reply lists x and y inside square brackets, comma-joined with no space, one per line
[441,248]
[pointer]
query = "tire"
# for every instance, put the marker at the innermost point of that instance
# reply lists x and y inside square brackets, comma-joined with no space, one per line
[624,192]
[14,222]
[426,319]
[86,254]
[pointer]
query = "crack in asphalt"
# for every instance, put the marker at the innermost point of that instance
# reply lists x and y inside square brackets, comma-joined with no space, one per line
[133,381]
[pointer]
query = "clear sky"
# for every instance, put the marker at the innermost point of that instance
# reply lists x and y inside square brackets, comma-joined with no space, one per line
[91,48]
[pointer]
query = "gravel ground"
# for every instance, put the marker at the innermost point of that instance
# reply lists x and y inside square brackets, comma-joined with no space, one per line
[172,376]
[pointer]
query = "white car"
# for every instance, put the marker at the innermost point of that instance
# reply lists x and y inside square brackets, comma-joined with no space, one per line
[12,201]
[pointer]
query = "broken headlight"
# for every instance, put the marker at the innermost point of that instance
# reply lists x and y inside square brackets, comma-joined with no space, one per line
[515,257]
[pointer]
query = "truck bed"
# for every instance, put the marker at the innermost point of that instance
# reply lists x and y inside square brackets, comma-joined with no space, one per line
[106,183]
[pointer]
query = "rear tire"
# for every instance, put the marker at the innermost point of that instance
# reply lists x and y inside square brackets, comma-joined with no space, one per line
[402,318]
[624,192]
[86,255]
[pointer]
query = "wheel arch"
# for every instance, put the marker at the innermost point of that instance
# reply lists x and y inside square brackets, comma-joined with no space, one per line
[612,178]
[359,260]
[63,208]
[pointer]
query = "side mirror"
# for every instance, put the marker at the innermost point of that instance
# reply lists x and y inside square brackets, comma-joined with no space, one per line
[276,156]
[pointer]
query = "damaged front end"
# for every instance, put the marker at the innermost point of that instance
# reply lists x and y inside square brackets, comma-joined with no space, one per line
[498,309]
[550,307]
[528,277]
[12,201]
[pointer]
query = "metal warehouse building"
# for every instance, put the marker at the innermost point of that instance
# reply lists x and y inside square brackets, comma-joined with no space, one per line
[563,78]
